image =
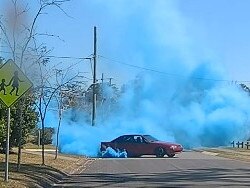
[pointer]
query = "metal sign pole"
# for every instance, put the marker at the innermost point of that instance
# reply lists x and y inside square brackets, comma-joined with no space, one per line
[7,148]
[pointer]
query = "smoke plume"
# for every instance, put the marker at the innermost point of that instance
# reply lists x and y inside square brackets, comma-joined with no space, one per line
[183,99]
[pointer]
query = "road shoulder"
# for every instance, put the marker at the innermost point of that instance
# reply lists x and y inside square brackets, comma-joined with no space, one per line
[33,174]
[229,153]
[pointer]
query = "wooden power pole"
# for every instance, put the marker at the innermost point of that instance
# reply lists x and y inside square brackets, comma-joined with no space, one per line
[94,81]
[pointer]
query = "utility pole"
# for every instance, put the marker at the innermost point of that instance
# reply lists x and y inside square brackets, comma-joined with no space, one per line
[110,81]
[102,78]
[102,85]
[94,81]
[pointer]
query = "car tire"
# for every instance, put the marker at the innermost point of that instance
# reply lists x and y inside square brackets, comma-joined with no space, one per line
[160,152]
[170,155]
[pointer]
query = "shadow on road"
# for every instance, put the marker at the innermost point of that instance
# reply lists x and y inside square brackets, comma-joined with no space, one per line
[190,177]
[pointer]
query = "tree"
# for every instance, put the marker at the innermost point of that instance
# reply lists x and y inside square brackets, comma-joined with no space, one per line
[3,118]
[20,39]
[30,121]
[46,90]
[66,91]
[107,96]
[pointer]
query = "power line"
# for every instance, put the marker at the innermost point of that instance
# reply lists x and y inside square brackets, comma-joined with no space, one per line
[69,57]
[58,57]
[110,60]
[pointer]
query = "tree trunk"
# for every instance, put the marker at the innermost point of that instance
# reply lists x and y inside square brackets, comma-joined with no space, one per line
[20,112]
[43,159]
[19,148]
[57,135]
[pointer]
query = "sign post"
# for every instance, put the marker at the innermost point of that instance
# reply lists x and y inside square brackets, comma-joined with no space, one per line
[6,177]
[13,85]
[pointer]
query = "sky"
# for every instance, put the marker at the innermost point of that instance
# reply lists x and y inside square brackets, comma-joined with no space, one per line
[218,30]
[224,26]
[176,41]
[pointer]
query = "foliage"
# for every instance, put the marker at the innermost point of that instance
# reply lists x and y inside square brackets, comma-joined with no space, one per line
[2,132]
[48,135]
[21,40]
[30,119]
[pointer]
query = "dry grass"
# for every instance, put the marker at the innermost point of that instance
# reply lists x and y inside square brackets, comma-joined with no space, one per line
[33,146]
[32,173]
[232,153]
[242,150]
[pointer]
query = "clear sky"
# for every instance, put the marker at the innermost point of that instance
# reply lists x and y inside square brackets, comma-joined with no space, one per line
[225,26]
[140,31]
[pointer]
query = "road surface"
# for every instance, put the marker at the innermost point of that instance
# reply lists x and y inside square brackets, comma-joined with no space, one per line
[189,169]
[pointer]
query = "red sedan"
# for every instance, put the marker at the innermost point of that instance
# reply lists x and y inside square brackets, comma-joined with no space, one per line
[138,145]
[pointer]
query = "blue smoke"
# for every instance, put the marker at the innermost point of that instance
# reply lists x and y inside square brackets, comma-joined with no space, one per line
[179,107]
[111,153]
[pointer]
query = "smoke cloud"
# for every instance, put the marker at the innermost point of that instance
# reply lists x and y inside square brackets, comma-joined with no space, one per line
[174,105]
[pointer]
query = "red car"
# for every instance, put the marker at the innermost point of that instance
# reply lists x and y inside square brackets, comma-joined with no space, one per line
[138,145]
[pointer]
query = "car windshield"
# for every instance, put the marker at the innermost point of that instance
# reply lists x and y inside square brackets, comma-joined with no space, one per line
[150,138]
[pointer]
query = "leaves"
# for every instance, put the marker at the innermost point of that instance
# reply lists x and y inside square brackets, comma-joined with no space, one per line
[30,119]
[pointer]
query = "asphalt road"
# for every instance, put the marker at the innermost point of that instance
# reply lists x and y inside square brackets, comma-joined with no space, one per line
[188,169]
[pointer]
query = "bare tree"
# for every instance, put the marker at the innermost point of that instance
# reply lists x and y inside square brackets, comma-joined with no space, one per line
[46,91]
[19,38]
[65,96]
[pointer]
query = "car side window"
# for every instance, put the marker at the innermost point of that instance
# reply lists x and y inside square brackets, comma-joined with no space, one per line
[119,139]
[129,139]
[144,140]
[138,139]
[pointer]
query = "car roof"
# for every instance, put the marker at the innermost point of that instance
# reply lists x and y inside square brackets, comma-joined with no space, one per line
[136,135]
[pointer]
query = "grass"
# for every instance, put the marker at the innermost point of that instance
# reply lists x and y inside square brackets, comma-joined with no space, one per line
[32,173]
[242,150]
[232,153]
[34,146]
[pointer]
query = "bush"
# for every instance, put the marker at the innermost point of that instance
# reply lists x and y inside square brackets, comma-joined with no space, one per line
[48,136]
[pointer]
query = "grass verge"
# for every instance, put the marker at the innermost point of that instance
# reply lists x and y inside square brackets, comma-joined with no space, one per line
[232,153]
[32,173]
[34,146]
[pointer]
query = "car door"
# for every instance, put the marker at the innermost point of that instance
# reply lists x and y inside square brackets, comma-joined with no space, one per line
[141,146]
[127,143]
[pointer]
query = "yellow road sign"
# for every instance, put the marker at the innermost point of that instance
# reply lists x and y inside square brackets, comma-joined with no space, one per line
[13,83]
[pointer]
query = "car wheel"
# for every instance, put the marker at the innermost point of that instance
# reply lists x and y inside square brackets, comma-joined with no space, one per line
[170,155]
[160,152]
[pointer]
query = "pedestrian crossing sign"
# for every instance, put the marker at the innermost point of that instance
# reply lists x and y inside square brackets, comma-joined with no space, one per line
[13,83]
